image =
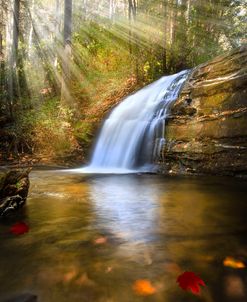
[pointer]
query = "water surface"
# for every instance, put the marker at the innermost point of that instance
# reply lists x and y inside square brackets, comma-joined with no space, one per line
[92,237]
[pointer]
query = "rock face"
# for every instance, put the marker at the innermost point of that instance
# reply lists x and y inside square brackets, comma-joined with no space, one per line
[206,131]
[14,187]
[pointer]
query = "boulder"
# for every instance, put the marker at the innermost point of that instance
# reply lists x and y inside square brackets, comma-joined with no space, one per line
[14,185]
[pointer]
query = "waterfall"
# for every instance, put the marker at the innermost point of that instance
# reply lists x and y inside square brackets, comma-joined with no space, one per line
[134,133]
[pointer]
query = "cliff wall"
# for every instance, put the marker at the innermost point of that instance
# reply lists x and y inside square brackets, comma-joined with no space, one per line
[206,131]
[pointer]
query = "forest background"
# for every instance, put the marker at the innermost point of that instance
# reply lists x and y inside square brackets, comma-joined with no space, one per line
[64,64]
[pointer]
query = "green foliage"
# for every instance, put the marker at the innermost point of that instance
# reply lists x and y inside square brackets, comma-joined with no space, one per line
[18,185]
[47,130]
[83,132]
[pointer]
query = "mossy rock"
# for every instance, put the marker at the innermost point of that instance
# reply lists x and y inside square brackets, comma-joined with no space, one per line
[14,186]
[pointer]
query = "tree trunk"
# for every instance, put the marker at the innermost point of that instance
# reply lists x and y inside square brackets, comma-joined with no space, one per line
[65,95]
[130,26]
[13,62]
[188,11]
[111,9]
[2,73]
[30,36]
[2,88]
[67,22]
[134,9]
[16,17]
[57,28]
[125,5]
[132,18]
[173,20]
[1,44]
[173,25]
[164,63]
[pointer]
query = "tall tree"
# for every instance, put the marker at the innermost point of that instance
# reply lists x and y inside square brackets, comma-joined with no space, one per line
[13,60]
[57,28]
[2,30]
[132,18]
[66,60]
[30,35]
[164,63]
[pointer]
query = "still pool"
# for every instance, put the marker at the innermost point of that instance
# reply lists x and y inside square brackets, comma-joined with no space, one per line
[92,237]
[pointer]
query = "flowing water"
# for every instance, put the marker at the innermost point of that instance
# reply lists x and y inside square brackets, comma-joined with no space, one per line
[134,133]
[92,237]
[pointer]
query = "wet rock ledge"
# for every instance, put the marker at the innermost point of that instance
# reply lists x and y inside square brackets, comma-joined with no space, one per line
[206,131]
[14,185]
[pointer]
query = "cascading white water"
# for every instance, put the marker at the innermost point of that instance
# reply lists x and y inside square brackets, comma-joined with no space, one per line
[133,134]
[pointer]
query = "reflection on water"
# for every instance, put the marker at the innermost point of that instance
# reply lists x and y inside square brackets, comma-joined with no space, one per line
[94,238]
[123,210]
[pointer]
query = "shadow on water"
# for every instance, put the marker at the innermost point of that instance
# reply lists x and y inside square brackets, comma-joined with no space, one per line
[91,237]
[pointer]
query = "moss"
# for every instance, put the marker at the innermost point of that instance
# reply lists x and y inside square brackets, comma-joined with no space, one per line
[18,185]
[83,132]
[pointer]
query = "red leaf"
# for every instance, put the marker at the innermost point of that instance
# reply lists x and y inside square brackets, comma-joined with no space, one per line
[19,228]
[189,281]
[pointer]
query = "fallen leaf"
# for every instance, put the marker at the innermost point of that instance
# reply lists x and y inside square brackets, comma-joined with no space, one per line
[233,263]
[190,281]
[100,240]
[70,275]
[143,287]
[19,228]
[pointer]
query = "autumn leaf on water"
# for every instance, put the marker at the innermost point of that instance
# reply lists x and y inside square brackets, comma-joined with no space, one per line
[100,240]
[19,228]
[190,281]
[233,263]
[143,287]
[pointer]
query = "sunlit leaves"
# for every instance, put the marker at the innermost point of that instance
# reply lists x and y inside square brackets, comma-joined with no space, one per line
[188,281]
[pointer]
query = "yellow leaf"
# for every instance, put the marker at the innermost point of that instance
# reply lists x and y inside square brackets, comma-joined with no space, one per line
[143,287]
[233,263]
